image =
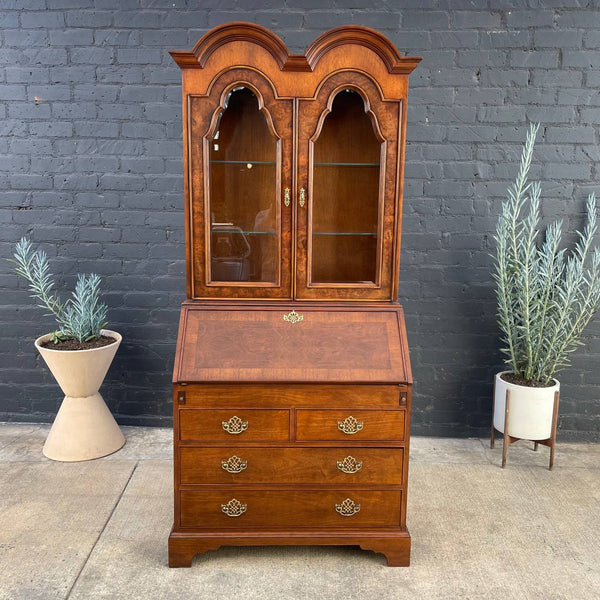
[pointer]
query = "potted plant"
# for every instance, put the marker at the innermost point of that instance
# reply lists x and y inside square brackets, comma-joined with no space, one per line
[546,297]
[78,354]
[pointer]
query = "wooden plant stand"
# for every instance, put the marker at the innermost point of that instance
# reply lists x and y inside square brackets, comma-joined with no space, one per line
[509,439]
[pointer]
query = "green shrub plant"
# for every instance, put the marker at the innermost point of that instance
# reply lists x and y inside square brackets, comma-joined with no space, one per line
[546,295]
[81,317]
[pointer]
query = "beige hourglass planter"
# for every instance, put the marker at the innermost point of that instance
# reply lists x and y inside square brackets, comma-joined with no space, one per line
[84,428]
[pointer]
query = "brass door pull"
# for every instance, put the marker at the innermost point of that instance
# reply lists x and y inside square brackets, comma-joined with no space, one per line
[349,465]
[235,425]
[234,464]
[347,508]
[234,508]
[302,200]
[350,425]
[286,197]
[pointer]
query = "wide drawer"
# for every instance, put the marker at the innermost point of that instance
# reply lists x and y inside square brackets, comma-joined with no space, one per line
[350,426]
[243,425]
[304,395]
[226,464]
[218,509]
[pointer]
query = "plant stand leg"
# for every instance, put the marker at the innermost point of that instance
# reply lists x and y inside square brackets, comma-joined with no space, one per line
[493,434]
[554,428]
[535,446]
[506,436]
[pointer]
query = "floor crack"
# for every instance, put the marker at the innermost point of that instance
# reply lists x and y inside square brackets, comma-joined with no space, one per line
[87,558]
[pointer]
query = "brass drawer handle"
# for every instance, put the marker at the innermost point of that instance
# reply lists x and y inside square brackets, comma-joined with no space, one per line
[234,464]
[350,425]
[349,465]
[302,200]
[235,425]
[234,508]
[347,508]
[286,197]
[293,317]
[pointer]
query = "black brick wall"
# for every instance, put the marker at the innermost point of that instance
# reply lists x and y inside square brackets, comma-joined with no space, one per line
[92,171]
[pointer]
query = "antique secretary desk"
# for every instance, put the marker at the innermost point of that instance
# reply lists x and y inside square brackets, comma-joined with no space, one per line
[292,379]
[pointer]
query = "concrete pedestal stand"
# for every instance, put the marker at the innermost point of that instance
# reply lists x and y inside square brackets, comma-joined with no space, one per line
[84,427]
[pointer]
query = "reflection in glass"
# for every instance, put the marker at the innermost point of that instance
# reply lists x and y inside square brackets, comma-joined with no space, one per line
[345,207]
[243,161]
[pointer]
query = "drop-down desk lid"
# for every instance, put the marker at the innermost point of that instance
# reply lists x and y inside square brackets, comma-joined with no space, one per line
[291,343]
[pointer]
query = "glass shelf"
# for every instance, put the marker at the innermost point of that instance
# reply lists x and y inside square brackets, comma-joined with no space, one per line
[238,231]
[242,162]
[344,164]
[343,233]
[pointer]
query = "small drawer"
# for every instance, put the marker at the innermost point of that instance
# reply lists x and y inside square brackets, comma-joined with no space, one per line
[350,425]
[239,425]
[240,509]
[263,465]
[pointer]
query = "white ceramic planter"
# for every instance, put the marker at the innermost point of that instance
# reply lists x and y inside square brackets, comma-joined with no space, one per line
[84,428]
[530,409]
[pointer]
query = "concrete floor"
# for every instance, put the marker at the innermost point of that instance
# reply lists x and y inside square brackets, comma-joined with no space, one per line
[99,529]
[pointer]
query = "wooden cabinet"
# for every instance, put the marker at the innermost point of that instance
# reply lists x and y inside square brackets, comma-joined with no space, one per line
[292,376]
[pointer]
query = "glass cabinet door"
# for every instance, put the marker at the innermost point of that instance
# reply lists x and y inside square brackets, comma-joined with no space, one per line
[345,195]
[345,224]
[246,253]
[242,201]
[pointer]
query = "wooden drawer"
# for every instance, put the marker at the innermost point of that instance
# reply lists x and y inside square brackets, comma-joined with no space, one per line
[306,508]
[350,425]
[234,425]
[285,395]
[379,466]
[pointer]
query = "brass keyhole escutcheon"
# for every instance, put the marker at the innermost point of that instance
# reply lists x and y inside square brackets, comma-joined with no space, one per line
[293,317]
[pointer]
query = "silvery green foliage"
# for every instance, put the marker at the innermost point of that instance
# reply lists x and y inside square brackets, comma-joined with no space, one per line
[81,317]
[546,297]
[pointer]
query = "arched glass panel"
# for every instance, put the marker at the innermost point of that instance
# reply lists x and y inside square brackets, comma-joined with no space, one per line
[244,243]
[345,195]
